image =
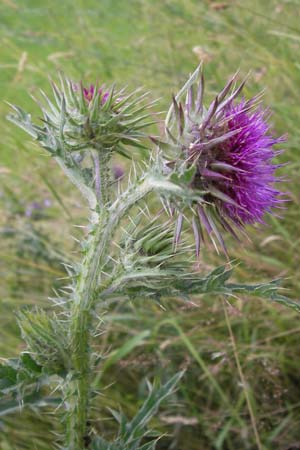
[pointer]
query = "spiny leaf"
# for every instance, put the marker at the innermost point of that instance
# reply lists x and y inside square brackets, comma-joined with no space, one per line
[23,120]
[34,400]
[131,433]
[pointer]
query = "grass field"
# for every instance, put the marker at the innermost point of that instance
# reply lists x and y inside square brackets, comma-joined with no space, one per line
[249,350]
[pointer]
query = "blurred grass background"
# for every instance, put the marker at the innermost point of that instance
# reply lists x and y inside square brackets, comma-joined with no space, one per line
[251,351]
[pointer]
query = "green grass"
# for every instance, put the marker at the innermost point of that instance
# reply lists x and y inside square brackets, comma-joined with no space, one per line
[241,389]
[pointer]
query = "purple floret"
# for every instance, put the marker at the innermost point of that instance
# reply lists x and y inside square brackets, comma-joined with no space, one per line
[89,93]
[251,151]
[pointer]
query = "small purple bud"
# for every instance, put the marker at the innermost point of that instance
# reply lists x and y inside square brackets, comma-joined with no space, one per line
[90,91]
[118,172]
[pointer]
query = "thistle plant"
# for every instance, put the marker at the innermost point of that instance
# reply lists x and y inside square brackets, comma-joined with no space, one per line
[212,173]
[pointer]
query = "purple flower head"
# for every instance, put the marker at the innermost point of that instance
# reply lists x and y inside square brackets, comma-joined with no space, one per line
[231,148]
[233,157]
[89,93]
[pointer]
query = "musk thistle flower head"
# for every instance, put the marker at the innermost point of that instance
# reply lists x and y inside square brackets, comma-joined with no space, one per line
[231,148]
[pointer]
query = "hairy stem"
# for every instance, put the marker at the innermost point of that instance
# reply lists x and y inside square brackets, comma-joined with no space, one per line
[76,178]
[88,287]
[97,175]
[78,388]
[101,171]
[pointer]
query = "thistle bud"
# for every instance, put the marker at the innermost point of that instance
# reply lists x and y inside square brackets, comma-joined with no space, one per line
[81,118]
[46,340]
[83,126]
[149,245]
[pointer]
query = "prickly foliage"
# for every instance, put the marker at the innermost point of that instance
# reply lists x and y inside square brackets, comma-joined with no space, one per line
[131,433]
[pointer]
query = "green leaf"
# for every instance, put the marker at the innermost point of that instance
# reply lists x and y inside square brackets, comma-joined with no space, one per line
[185,177]
[8,377]
[11,406]
[21,382]
[267,290]
[132,433]
[22,120]
[29,363]
[150,407]
[149,446]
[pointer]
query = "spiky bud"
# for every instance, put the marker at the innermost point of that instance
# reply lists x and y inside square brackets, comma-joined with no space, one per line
[46,340]
[82,127]
[83,118]
[150,245]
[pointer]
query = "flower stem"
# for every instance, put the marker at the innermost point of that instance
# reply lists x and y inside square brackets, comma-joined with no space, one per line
[87,288]
[101,172]
[79,380]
